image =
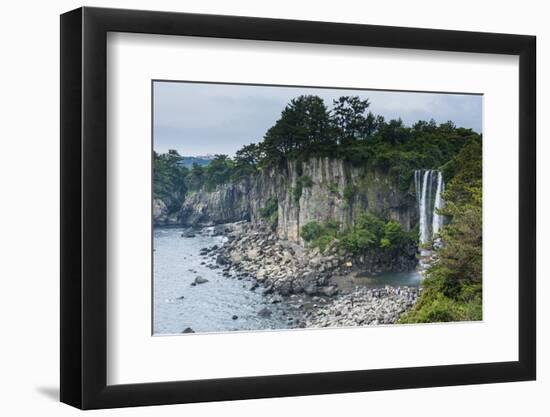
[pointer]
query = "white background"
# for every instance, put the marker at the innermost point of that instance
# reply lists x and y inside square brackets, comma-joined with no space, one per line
[133,60]
[29,216]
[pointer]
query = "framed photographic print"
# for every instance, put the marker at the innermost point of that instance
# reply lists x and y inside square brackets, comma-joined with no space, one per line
[256,207]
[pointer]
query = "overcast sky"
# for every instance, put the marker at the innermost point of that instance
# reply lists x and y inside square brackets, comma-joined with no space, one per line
[199,119]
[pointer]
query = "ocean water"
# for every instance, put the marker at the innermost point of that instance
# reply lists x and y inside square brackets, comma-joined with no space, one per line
[207,307]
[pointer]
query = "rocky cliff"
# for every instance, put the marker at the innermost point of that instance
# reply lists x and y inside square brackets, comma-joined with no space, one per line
[327,189]
[230,202]
[317,190]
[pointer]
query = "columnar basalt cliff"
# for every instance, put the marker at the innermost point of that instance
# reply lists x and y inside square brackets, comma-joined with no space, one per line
[230,202]
[319,190]
[327,189]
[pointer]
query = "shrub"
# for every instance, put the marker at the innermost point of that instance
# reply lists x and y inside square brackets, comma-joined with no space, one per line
[271,212]
[358,240]
[306,181]
[349,192]
[311,231]
[370,231]
[297,192]
[320,235]
[433,307]
[271,206]
[333,188]
[301,182]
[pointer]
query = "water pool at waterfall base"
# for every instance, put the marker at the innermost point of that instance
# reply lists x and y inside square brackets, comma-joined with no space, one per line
[393,279]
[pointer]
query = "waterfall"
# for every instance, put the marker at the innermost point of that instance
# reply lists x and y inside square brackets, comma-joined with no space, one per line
[422,209]
[429,221]
[438,204]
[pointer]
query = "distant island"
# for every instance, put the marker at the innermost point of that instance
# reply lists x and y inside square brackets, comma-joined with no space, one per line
[201,160]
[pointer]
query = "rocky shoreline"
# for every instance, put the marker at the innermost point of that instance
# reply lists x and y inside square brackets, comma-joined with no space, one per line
[317,287]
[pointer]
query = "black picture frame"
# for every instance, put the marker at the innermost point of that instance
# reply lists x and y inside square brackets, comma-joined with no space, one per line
[84,207]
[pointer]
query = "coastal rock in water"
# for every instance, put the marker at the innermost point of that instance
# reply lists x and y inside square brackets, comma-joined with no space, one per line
[188,330]
[221,260]
[188,233]
[200,280]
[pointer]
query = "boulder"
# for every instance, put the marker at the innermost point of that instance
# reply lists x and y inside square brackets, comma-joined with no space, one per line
[200,280]
[236,257]
[252,254]
[311,289]
[329,291]
[221,260]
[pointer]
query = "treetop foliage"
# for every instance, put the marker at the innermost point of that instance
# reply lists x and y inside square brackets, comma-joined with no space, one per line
[307,128]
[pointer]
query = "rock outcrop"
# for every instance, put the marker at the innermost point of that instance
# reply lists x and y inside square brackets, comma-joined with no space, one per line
[289,268]
[329,189]
[363,307]
[319,288]
[162,215]
[317,190]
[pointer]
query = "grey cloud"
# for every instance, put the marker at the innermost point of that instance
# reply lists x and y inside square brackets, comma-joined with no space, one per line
[197,118]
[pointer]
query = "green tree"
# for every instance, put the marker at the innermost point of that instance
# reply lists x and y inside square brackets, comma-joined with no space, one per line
[196,177]
[218,171]
[348,117]
[303,126]
[169,179]
[247,160]
[248,157]
[453,284]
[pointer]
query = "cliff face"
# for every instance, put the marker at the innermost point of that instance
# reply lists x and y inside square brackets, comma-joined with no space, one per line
[227,203]
[230,202]
[316,190]
[333,190]
[161,214]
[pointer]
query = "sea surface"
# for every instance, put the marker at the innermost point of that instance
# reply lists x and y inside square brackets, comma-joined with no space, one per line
[208,307]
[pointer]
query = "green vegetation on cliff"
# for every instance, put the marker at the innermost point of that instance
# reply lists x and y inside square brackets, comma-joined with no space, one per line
[307,129]
[169,179]
[367,233]
[320,235]
[270,212]
[453,285]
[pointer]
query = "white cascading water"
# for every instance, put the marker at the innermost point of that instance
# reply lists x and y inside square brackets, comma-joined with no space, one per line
[429,221]
[438,204]
[422,209]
